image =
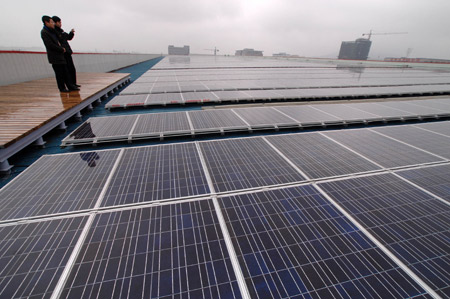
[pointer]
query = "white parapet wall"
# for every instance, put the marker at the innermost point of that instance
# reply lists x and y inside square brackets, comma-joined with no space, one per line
[21,66]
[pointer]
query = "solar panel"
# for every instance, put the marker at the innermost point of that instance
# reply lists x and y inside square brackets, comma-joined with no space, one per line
[216,120]
[173,123]
[164,98]
[319,157]
[380,149]
[442,127]
[309,115]
[170,251]
[265,118]
[237,164]
[103,129]
[435,179]
[410,107]
[426,140]
[385,112]
[409,222]
[155,173]
[199,97]
[57,184]
[347,112]
[127,100]
[33,256]
[292,243]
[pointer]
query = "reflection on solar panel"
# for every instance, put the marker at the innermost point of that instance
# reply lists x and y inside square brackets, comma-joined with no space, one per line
[426,140]
[171,251]
[380,149]
[319,157]
[57,184]
[408,221]
[434,179]
[223,120]
[157,172]
[293,242]
[246,163]
[33,256]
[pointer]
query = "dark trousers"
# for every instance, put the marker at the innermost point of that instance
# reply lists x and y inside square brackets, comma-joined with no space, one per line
[62,76]
[71,68]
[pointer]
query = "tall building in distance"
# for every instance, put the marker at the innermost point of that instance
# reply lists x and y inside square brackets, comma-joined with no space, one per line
[248,52]
[178,50]
[358,49]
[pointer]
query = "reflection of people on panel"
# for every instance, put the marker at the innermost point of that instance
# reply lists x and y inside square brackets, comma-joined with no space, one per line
[90,158]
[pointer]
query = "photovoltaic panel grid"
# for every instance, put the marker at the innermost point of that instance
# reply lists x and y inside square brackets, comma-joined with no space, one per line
[168,124]
[185,80]
[296,215]
[294,243]
[408,221]
[171,251]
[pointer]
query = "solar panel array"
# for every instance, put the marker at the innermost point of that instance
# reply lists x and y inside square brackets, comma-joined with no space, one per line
[348,213]
[168,124]
[230,95]
[184,80]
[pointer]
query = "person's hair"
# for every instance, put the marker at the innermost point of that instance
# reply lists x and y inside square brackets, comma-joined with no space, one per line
[45,19]
[56,19]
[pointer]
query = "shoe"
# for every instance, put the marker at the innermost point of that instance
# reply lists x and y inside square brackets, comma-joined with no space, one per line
[77,85]
[64,90]
[73,88]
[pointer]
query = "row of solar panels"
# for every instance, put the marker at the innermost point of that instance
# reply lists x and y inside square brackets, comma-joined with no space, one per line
[72,182]
[275,84]
[170,124]
[163,99]
[370,233]
[260,74]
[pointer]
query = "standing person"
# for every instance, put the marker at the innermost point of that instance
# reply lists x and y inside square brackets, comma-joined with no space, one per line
[64,37]
[55,55]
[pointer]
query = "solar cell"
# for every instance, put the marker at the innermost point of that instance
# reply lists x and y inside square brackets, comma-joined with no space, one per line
[410,107]
[383,111]
[426,140]
[292,243]
[199,97]
[246,163]
[319,157]
[127,100]
[157,172]
[435,179]
[33,256]
[169,251]
[380,149]
[57,184]
[409,222]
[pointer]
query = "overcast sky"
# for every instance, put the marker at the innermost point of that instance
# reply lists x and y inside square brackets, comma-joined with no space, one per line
[312,28]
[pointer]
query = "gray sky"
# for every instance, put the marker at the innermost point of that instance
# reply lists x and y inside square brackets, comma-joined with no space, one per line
[312,28]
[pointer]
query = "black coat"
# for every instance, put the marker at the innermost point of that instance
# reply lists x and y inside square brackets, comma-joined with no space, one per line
[63,38]
[55,52]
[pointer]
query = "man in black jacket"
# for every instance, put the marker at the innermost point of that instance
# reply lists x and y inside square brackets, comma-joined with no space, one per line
[64,37]
[55,55]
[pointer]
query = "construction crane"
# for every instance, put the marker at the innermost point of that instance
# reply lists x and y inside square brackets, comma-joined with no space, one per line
[384,33]
[215,50]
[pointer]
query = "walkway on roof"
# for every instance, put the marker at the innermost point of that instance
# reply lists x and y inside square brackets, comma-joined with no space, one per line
[31,109]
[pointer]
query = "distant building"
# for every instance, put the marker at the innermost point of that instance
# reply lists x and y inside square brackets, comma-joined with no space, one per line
[248,52]
[358,49]
[281,54]
[178,50]
[419,60]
